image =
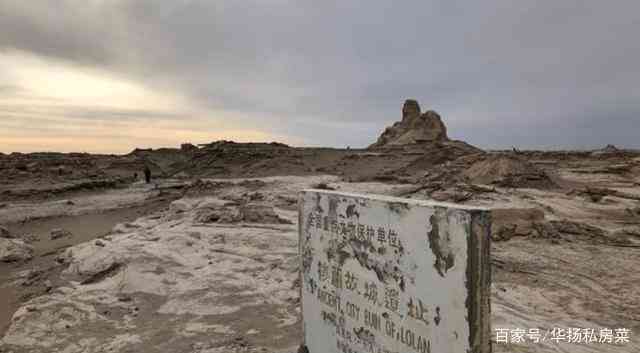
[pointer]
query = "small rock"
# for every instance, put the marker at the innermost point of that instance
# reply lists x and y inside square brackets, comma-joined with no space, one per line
[125,299]
[188,147]
[99,243]
[195,235]
[179,206]
[65,202]
[255,213]
[60,233]
[256,196]
[29,238]
[211,203]
[4,233]
[126,227]
[322,186]
[12,250]
[32,277]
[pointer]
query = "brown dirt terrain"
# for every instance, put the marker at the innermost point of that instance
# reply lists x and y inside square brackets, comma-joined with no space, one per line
[204,259]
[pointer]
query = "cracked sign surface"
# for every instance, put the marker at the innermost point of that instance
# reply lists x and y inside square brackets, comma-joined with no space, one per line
[383,274]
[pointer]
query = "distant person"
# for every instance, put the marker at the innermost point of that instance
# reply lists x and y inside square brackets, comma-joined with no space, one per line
[135,176]
[147,174]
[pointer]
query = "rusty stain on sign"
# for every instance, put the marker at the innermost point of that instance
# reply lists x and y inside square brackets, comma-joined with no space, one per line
[439,242]
[382,274]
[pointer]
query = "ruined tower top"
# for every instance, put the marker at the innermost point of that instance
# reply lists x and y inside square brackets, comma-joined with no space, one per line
[410,109]
[414,128]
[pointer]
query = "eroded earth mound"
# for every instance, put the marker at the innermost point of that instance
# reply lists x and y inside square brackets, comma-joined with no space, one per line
[508,170]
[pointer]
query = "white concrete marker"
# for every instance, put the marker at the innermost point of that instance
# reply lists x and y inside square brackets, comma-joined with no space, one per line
[383,274]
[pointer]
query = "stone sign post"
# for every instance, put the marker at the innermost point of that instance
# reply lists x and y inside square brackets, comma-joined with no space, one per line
[383,274]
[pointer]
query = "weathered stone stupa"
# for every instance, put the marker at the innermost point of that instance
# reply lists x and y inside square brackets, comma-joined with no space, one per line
[414,128]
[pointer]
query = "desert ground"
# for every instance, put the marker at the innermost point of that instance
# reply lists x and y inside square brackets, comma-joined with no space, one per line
[204,259]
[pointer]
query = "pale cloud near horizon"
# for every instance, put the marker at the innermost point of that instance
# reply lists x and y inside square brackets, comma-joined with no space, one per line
[107,76]
[59,107]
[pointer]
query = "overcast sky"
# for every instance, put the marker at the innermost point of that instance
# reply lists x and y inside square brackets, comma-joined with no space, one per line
[111,75]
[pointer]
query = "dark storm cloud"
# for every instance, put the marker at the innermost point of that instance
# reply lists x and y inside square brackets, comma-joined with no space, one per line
[62,29]
[501,73]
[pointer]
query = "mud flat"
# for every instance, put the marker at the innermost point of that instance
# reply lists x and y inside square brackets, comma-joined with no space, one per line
[217,271]
[210,273]
[23,280]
